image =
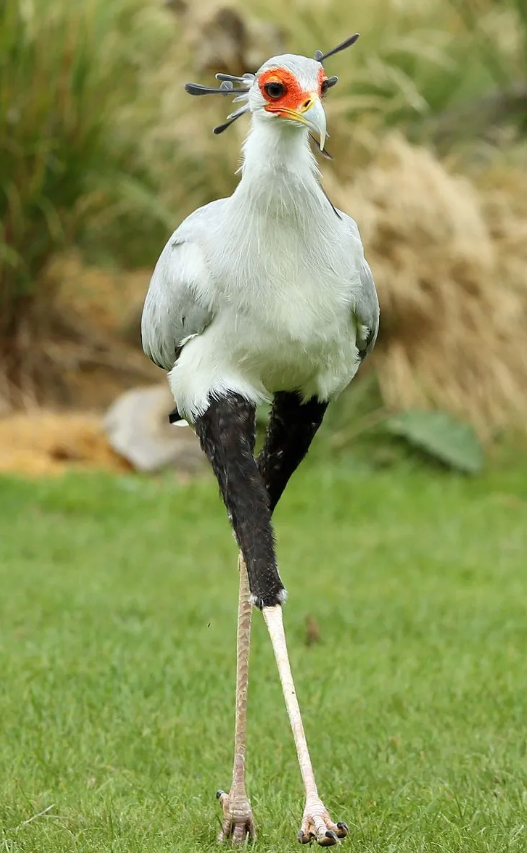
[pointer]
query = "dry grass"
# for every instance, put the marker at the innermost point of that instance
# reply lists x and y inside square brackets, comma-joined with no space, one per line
[450,261]
[89,354]
[111,300]
[41,443]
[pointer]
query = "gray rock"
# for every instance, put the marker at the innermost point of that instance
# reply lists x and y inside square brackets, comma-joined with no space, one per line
[137,428]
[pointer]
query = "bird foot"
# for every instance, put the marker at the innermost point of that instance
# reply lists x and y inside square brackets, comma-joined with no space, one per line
[317,825]
[238,821]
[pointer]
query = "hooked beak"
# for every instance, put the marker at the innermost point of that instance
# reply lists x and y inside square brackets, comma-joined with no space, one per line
[312,114]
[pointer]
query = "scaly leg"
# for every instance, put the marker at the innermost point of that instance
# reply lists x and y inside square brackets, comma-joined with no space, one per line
[238,819]
[316,822]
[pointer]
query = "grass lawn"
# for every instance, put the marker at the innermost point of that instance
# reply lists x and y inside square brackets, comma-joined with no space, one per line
[117,620]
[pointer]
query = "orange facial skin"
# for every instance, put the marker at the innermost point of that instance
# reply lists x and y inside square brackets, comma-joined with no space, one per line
[294,97]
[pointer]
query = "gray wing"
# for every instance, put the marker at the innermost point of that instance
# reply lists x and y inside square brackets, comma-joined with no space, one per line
[367,312]
[177,305]
[366,309]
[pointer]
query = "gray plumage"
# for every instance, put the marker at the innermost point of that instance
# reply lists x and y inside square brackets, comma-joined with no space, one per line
[174,312]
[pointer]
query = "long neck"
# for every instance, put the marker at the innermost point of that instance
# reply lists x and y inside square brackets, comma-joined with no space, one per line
[278,167]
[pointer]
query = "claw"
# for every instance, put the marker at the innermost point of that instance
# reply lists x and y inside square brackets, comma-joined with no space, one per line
[342,829]
[329,839]
[303,838]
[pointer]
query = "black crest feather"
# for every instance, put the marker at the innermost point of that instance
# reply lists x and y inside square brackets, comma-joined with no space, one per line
[320,57]
[243,85]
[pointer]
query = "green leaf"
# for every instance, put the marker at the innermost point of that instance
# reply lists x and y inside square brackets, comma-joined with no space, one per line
[441,436]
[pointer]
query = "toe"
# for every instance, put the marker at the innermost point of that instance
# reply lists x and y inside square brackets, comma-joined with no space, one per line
[252,829]
[328,839]
[239,833]
[226,827]
[342,829]
[304,837]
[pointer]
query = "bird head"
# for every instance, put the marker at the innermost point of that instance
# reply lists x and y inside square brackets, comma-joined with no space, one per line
[290,88]
[287,88]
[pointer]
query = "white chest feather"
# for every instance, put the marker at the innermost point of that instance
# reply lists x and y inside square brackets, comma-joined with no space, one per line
[285,275]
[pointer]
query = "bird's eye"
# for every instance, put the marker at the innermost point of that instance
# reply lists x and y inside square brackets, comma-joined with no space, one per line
[324,86]
[275,90]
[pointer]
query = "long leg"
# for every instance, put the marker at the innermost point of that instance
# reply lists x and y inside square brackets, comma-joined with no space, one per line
[238,819]
[292,427]
[316,822]
[226,433]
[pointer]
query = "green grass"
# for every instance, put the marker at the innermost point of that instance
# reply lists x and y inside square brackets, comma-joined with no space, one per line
[117,614]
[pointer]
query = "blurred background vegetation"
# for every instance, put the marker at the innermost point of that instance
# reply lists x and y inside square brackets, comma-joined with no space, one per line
[102,154]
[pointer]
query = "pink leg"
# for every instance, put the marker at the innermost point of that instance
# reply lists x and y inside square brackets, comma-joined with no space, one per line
[316,822]
[238,819]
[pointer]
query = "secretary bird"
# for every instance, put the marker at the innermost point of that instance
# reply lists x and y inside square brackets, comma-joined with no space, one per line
[263,296]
